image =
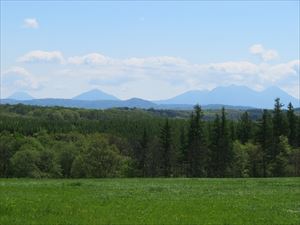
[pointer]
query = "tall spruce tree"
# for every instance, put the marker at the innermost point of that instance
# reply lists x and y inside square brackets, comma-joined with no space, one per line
[292,123]
[215,147]
[298,131]
[280,126]
[182,159]
[142,157]
[166,147]
[245,128]
[226,144]
[280,130]
[233,130]
[221,147]
[197,152]
[265,140]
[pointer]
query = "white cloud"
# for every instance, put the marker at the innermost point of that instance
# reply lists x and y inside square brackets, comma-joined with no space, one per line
[265,54]
[283,70]
[16,70]
[99,59]
[90,59]
[248,73]
[20,79]
[154,61]
[42,56]
[30,23]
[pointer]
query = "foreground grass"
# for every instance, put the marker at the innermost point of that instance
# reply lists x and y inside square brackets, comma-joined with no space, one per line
[150,201]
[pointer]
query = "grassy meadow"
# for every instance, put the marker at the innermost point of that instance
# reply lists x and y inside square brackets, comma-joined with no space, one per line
[150,201]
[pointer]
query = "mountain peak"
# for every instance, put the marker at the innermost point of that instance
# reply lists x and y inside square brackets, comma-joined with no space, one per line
[95,90]
[20,95]
[94,95]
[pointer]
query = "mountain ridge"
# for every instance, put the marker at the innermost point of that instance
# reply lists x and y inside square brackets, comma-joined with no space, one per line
[233,96]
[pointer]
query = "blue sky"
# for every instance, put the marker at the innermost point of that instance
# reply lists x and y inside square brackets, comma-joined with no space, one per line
[151,50]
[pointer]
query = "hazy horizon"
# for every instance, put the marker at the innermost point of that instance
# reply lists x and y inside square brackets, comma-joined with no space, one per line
[149,50]
[109,93]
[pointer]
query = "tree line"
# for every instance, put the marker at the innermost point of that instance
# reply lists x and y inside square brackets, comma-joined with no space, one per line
[58,142]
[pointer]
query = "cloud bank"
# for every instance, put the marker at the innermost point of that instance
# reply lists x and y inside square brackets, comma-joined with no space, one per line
[155,77]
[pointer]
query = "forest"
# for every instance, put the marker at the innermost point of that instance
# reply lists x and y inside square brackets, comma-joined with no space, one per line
[57,142]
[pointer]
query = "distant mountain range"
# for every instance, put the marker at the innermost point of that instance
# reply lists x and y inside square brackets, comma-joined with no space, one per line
[233,97]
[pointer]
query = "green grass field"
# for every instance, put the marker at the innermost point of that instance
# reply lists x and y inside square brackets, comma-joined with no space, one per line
[150,201]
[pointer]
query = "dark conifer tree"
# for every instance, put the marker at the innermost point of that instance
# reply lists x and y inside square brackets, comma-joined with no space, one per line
[221,147]
[280,126]
[226,145]
[265,140]
[197,152]
[141,155]
[292,123]
[233,132]
[182,159]
[244,128]
[215,148]
[166,147]
[183,143]
[298,131]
